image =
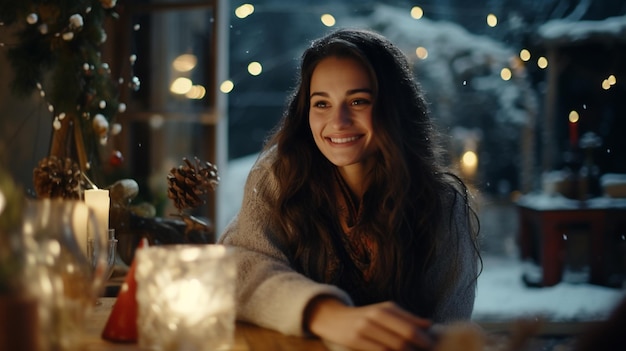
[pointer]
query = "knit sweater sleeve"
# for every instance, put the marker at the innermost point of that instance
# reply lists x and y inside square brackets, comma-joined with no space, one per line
[270,293]
[451,280]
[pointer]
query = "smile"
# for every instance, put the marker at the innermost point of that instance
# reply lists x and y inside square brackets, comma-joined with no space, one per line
[343,140]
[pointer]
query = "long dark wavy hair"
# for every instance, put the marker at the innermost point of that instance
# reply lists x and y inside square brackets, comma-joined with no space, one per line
[403,208]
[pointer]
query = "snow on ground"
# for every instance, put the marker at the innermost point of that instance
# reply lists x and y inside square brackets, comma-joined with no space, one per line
[501,294]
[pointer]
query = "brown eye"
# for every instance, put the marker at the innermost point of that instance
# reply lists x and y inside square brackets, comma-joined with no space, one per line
[358,102]
[320,104]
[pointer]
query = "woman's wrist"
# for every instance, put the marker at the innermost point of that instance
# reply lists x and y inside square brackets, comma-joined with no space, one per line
[316,309]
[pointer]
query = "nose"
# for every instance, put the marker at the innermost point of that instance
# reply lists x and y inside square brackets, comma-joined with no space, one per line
[342,117]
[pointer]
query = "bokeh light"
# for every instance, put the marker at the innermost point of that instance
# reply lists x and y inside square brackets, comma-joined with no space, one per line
[227,86]
[181,86]
[492,20]
[244,10]
[255,68]
[524,55]
[328,20]
[185,62]
[196,92]
[506,74]
[421,52]
[417,12]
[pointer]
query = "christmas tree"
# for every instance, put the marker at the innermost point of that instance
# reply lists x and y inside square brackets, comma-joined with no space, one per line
[56,53]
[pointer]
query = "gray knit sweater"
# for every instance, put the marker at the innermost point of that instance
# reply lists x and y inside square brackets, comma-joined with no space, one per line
[270,293]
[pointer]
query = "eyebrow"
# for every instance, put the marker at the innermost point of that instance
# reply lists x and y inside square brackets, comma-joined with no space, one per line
[349,92]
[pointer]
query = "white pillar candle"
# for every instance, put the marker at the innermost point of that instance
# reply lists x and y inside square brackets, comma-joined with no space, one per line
[79,221]
[99,202]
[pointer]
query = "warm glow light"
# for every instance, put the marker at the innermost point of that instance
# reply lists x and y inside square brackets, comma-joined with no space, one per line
[184,295]
[417,12]
[612,80]
[244,10]
[328,20]
[524,55]
[506,74]
[421,52]
[492,20]
[470,159]
[606,85]
[196,92]
[573,116]
[181,86]
[469,163]
[227,86]
[185,63]
[255,68]
[542,62]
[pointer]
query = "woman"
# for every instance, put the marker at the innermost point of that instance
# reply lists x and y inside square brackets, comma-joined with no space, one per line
[350,228]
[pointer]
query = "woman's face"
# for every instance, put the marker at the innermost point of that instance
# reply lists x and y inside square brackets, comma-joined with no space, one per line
[340,115]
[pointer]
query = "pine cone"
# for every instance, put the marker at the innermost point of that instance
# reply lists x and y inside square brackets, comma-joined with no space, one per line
[56,178]
[188,183]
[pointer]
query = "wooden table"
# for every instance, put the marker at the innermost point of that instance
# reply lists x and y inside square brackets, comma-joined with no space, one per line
[248,337]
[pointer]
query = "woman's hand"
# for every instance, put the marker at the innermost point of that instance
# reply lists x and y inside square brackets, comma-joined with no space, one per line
[382,326]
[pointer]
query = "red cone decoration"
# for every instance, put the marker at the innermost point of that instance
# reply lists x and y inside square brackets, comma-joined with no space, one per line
[122,323]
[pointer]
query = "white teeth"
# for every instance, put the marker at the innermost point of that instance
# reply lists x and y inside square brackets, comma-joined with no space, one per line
[343,140]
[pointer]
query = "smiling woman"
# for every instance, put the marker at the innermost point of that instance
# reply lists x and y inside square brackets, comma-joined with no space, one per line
[357,232]
[340,117]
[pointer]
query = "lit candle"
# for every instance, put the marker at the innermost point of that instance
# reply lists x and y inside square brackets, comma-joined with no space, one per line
[189,287]
[79,221]
[99,202]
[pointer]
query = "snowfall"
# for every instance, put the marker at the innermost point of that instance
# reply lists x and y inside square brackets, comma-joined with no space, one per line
[501,294]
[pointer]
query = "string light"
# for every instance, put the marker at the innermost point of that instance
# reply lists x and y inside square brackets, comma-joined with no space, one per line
[196,92]
[492,20]
[255,68]
[417,12]
[328,20]
[542,62]
[609,82]
[185,62]
[244,10]
[612,80]
[421,52]
[506,74]
[181,86]
[524,55]
[227,86]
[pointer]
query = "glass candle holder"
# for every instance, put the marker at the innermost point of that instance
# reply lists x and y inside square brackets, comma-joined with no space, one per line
[186,297]
[64,267]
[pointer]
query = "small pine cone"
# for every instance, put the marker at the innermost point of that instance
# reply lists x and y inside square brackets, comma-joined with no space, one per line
[188,183]
[56,178]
